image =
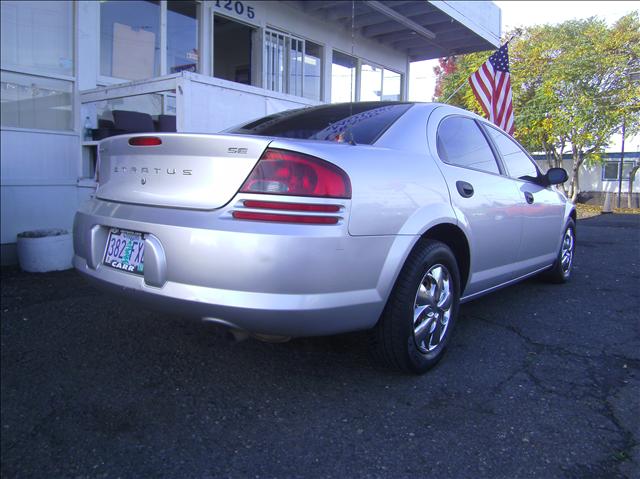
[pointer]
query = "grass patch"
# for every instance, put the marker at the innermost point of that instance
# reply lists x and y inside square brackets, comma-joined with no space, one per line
[588,211]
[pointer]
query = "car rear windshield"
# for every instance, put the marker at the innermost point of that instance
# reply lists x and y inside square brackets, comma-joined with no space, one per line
[361,123]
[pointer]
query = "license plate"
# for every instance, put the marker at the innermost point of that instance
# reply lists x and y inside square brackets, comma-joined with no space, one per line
[125,251]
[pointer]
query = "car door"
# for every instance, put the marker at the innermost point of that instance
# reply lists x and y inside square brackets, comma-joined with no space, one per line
[482,197]
[542,206]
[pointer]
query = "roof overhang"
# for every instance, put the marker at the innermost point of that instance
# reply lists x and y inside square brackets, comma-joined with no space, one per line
[418,28]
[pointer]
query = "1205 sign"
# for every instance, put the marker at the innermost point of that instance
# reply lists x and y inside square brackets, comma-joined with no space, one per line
[237,7]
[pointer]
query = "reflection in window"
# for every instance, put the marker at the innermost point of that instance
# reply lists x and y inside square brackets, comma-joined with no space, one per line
[312,70]
[130,39]
[291,65]
[516,160]
[37,35]
[274,60]
[182,36]
[343,78]
[460,142]
[155,105]
[36,102]
[362,123]
[370,83]
[296,58]
[391,85]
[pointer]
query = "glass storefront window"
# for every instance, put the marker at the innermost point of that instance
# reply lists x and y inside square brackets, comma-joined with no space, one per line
[151,103]
[295,65]
[312,70]
[130,39]
[37,35]
[391,86]
[35,102]
[292,65]
[343,78]
[182,36]
[370,83]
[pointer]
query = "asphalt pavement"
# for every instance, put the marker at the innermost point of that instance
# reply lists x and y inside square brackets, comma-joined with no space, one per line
[540,381]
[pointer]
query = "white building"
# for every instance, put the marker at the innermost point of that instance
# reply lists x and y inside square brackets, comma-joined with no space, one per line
[211,64]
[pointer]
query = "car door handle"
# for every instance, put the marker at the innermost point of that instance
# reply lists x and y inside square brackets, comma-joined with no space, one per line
[528,196]
[465,189]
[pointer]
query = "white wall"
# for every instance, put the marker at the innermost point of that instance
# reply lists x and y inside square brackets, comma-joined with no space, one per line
[39,173]
[210,105]
[590,178]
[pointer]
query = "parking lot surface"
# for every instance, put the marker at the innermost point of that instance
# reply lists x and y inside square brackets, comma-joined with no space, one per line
[540,381]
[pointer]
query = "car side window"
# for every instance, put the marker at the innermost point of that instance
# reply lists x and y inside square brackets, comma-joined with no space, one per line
[460,142]
[517,162]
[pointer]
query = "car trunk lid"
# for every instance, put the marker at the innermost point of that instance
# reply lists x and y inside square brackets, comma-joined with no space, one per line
[178,170]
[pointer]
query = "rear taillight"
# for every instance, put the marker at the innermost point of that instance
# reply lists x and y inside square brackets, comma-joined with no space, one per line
[281,172]
[145,141]
[281,218]
[276,205]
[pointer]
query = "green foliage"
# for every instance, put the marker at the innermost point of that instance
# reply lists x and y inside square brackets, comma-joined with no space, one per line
[571,86]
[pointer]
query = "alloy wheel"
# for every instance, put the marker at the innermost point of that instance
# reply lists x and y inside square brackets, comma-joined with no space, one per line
[432,308]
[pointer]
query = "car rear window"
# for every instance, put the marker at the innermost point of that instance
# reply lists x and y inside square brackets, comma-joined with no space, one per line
[361,123]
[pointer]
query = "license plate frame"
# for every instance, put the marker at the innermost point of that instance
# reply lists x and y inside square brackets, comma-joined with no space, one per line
[124,251]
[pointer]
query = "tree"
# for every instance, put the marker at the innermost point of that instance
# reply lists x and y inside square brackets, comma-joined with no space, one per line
[571,87]
[446,66]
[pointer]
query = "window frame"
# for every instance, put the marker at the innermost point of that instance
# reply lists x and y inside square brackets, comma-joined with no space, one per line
[632,163]
[401,84]
[496,157]
[361,62]
[106,80]
[358,79]
[288,37]
[73,79]
[504,164]
[164,25]
[356,85]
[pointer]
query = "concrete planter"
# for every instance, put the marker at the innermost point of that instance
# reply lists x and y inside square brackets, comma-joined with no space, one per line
[45,250]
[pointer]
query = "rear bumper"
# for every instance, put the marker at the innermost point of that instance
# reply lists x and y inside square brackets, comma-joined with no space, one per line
[292,280]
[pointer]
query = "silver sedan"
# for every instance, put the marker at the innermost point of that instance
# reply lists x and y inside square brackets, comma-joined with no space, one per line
[379,216]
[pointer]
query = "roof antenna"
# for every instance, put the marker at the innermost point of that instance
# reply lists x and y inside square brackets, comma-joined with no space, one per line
[353,34]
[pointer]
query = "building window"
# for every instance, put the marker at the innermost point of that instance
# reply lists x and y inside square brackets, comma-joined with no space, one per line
[370,82]
[232,46]
[35,102]
[182,36]
[610,170]
[312,71]
[343,78]
[375,83]
[130,39]
[292,65]
[37,36]
[391,85]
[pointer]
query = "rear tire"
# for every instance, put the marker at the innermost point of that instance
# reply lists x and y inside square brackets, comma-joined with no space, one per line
[419,317]
[561,270]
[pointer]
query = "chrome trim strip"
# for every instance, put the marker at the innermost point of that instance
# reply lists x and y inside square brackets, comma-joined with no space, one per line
[465,299]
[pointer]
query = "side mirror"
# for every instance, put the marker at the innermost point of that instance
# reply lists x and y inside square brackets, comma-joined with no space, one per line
[556,176]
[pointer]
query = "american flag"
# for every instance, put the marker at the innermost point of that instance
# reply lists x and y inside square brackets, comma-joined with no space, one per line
[491,84]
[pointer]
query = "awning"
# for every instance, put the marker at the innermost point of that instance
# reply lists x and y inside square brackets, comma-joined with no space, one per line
[418,28]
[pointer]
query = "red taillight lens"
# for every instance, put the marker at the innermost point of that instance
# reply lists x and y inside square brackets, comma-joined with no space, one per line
[281,172]
[145,141]
[281,218]
[275,205]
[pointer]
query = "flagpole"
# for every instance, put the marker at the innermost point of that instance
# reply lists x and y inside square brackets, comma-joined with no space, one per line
[517,33]
[457,90]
